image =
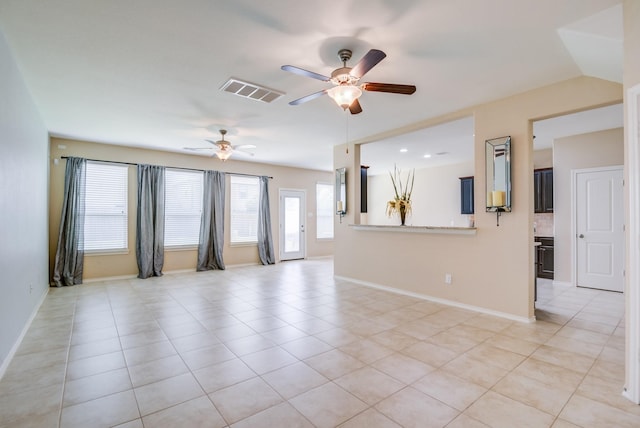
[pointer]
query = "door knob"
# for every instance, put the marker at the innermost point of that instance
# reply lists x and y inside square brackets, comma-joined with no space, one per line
[581,236]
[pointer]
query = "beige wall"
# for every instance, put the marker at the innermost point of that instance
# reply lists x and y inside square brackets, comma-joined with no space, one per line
[493,269]
[543,158]
[596,149]
[113,265]
[436,197]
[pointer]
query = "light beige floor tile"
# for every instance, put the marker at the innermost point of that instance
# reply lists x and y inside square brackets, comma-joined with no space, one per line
[560,423]
[454,342]
[96,386]
[93,349]
[268,360]
[368,419]
[430,353]
[534,393]
[166,393]
[283,335]
[369,385]
[19,380]
[475,371]
[549,374]
[608,370]
[306,347]
[412,408]
[366,350]
[95,365]
[570,360]
[295,379]
[156,370]
[282,415]
[148,353]
[103,412]
[464,421]
[249,344]
[499,411]
[495,356]
[588,413]
[50,419]
[136,423]
[583,335]
[223,374]
[195,341]
[337,337]
[142,339]
[403,368]
[488,322]
[203,357]
[334,363]
[451,390]
[327,405]
[244,399]
[512,344]
[574,345]
[395,340]
[36,360]
[607,391]
[29,404]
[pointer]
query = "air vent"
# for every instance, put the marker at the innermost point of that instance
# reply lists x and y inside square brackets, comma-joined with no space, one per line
[251,90]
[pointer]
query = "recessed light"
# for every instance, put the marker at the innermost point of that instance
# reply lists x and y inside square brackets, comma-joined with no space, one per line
[427,156]
[404,150]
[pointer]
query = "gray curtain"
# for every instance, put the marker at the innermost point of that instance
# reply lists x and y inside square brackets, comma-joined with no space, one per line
[265,240]
[212,222]
[69,260]
[150,221]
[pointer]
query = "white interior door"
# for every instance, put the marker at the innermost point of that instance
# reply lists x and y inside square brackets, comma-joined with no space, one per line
[292,224]
[600,229]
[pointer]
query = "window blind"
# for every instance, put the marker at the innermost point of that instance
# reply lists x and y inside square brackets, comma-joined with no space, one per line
[324,211]
[244,194]
[183,207]
[106,211]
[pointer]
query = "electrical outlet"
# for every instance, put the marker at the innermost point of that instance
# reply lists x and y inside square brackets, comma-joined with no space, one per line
[447,278]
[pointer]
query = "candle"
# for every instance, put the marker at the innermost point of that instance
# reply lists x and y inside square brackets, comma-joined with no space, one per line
[498,198]
[339,206]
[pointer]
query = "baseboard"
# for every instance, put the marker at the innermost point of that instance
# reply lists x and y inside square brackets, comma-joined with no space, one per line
[439,300]
[12,352]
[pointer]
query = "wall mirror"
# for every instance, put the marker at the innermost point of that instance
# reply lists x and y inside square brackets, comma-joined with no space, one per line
[341,191]
[498,170]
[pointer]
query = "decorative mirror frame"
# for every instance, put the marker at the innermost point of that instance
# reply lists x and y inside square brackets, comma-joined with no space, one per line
[498,175]
[341,192]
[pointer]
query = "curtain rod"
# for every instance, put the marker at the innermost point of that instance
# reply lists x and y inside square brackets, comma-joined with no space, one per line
[172,167]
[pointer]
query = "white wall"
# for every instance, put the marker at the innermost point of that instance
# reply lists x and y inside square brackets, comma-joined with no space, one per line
[435,200]
[23,205]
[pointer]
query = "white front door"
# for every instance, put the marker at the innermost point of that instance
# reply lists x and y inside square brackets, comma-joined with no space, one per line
[292,224]
[600,228]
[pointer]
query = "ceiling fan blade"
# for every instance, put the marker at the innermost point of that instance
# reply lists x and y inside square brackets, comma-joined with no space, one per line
[303,72]
[308,98]
[243,147]
[197,148]
[212,142]
[355,107]
[389,87]
[370,60]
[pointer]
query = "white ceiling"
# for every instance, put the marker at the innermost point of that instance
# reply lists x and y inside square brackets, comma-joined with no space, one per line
[147,73]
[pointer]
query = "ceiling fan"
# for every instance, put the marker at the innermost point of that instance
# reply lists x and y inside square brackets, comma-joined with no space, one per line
[346,90]
[224,148]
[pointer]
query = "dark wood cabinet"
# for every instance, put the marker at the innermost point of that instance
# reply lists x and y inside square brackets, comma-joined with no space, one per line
[543,190]
[466,195]
[545,258]
[363,188]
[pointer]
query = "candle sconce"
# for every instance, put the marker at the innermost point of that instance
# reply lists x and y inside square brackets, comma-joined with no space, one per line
[498,176]
[341,192]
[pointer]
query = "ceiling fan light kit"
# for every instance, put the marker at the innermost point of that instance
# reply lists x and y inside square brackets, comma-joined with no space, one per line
[224,148]
[345,80]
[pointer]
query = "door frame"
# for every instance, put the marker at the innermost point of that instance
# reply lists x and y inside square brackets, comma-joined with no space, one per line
[574,214]
[632,268]
[303,218]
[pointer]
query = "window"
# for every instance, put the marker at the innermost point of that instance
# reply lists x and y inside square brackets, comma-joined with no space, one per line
[105,221]
[182,207]
[324,211]
[245,192]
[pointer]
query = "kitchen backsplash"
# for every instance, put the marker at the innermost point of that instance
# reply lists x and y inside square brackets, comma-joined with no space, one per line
[543,224]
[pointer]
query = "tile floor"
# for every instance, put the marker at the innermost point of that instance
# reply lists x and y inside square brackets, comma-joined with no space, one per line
[289,346]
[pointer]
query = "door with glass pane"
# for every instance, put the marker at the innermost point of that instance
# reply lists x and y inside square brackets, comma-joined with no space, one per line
[292,224]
